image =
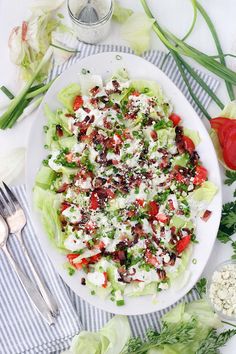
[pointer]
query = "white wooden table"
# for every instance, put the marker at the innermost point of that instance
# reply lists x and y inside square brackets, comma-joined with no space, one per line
[174,14]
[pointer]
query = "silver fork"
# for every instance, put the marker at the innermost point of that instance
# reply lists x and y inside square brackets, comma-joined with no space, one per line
[30,288]
[16,220]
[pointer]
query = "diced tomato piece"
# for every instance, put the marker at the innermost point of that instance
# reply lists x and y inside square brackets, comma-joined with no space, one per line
[140,202]
[153,135]
[65,205]
[104,285]
[182,244]
[78,265]
[162,218]
[71,256]
[78,102]
[153,208]
[95,258]
[188,144]
[229,150]
[171,204]
[100,245]
[94,201]
[117,139]
[136,93]
[69,157]
[110,194]
[207,214]
[151,259]
[175,119]
[24,29]
[200,175]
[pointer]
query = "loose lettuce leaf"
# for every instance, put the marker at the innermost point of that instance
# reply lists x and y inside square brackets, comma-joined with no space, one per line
[115,335]
[67,95]
[111,339]
[136,31]
[86,343]
[206,192]
[228,112]
[45,177]
[121,14]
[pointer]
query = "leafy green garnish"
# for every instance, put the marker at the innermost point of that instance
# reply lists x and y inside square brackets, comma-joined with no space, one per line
[201,287]
[231,177]
[228,225]
[214,341]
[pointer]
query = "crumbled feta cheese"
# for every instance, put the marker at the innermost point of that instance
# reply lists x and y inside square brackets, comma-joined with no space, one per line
[96,278]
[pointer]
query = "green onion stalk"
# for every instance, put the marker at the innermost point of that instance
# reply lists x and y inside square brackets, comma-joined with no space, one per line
[179,48]
[21,101]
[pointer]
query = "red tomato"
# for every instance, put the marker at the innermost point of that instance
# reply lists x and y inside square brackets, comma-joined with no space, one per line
[162,218]
[151,259]
[171,204]
[78,102]
[117,139]
[188,144]
[95,259]
[153,135]
[218,122]
[104,285]
[140,202]
[224,130]
[183,243]
[78,265]
[200,175]
[175,119]
[64,206]
[94,203]
[24,29]
[153,208]
[136,93]
[229,150]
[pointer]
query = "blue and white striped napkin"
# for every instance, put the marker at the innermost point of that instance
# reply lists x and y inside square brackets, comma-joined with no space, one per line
[21,328]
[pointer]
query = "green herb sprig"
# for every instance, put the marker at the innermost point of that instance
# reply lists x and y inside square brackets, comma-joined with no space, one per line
[214,341]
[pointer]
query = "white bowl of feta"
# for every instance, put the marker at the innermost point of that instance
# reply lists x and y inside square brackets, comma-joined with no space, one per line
[221,290]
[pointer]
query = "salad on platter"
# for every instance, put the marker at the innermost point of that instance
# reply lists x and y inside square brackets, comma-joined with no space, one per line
[122,186]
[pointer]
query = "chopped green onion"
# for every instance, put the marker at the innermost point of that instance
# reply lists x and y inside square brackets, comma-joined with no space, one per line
[7,92]
[120,302]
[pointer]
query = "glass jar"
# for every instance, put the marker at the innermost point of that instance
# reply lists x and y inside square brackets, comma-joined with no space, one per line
[91,32]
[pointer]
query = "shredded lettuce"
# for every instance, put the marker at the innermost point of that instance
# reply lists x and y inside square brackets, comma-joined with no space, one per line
[121,14]
[136,31]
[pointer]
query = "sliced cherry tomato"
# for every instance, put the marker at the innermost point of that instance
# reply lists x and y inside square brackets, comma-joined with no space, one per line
[188,144]
[229,150]
[175,119]
[183,243]
[200,175]
[224,130]
[162,218]
[140,202]
[24,29]
[104,285]
[64,206]
[78,102]
[94,201]
[153,208]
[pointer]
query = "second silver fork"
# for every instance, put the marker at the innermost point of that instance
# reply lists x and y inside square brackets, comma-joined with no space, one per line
[16,220]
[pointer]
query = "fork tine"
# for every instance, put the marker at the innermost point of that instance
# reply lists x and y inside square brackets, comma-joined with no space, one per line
[7,203]
[3,210]
[11,196]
